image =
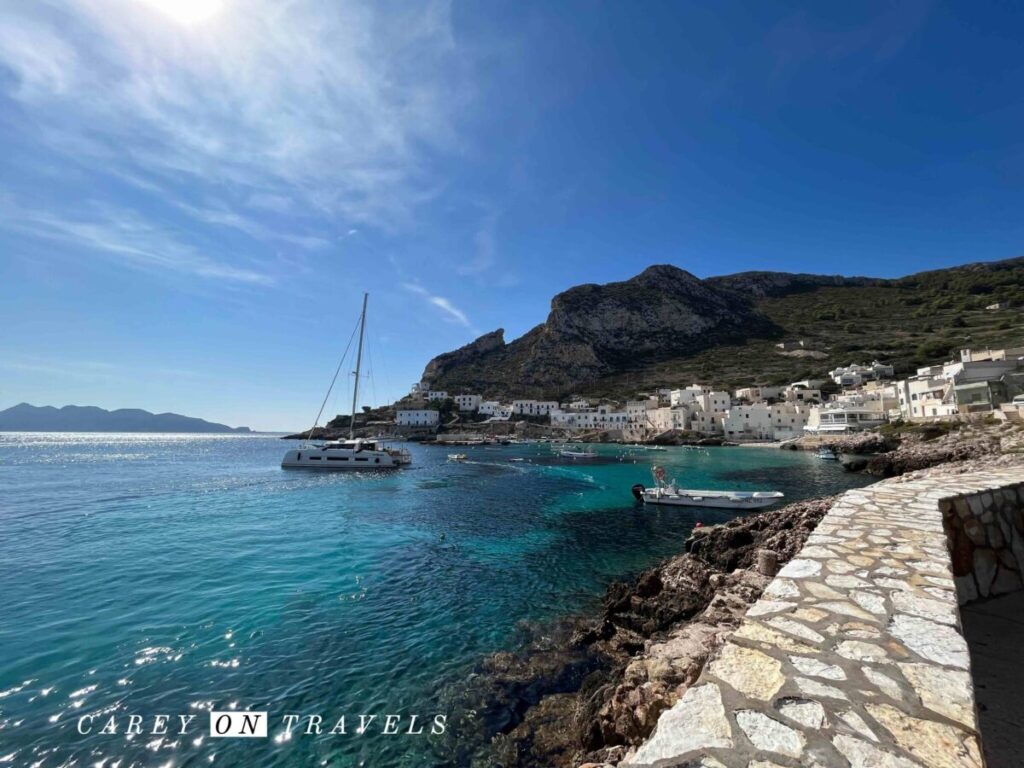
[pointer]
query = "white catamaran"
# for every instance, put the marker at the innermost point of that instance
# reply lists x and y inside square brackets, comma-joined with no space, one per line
[359,454]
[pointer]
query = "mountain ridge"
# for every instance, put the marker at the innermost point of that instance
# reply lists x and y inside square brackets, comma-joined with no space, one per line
[647,331]
[25,417]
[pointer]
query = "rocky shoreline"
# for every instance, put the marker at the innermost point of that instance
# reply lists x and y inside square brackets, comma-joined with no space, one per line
[591,689]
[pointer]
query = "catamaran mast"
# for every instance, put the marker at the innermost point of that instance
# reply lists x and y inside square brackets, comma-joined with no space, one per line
[359,362]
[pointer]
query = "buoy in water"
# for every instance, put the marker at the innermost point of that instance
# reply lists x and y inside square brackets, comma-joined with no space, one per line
[698,524]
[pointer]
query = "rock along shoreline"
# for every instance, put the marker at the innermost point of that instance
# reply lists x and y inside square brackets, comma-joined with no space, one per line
[587,691]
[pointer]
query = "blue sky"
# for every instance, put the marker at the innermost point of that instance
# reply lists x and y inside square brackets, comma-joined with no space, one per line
[194,193]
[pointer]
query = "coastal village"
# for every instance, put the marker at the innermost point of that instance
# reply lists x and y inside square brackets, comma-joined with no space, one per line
[847,399]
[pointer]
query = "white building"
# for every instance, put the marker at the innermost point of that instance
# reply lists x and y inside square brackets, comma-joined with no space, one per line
[602,417]
[416,418]
[685,396]
[468,403]
[533,407]
[663,419]
[637,409]
[579,404]
[798,393]
[830,419]
[748,422]
[760,421]
[436,395]
[488,407]
[855,375]
[969,386]
[759,394]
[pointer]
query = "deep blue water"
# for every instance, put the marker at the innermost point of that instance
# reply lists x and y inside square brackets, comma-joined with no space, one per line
[172,574]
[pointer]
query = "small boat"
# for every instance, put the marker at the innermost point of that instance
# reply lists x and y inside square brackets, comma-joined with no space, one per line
[827,454]
[517,458]
[571,454]
[667,494]
[457,457]
[684,497]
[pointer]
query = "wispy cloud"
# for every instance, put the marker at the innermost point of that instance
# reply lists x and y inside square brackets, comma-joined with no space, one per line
[222,216]
[340,106]
[485,248]
[449,311]
[126,237]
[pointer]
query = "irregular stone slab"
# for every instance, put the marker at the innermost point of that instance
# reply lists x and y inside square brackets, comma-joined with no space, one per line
[765,607]
[782,588]
[795,628]
[816,668]
[751,630]
[810,687]
[946,691]
[847,609]
[885,684]
[823,591]
[809,714]
[935,642]
[750,672]
[810,615]
[858,650]
[798,568]
[908,602]
[937,745]
[864,755]
[845,582]
[869,601]
[697,721]
[770,735]
[856,722]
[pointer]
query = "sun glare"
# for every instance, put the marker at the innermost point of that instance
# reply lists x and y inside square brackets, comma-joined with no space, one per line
[187,11]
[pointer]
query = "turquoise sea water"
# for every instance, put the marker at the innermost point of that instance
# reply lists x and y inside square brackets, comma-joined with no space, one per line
[175,574]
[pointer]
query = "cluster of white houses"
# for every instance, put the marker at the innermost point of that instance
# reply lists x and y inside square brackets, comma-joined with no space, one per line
[979,381]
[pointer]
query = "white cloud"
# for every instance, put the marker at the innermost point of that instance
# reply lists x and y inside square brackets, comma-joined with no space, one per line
[449,311]
[126,237]
[339,108]
[485,246]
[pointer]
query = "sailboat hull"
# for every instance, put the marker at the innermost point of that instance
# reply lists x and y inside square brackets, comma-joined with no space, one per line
[341,460]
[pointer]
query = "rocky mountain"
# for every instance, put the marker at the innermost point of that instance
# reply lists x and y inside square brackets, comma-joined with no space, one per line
[74,418]
[666,327]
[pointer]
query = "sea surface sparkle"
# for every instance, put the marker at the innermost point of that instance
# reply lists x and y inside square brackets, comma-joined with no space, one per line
[179,573]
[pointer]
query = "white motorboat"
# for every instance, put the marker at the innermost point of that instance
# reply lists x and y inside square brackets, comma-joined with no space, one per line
[357,454]
[684,497]
[575,454]
[827,454]
[668,494]
[457,457]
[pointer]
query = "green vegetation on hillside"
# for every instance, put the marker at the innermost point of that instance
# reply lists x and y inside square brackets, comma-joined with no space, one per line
[910,322]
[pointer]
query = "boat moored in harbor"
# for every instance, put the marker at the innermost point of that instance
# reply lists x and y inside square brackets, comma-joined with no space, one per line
[568,453]
[668,494]
[354,453]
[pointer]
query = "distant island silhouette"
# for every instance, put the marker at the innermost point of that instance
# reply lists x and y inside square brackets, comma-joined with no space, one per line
[88,418]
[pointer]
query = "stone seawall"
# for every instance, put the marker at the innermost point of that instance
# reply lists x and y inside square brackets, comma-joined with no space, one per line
[854,655]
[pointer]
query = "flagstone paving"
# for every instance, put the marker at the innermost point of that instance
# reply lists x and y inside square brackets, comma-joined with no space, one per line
[854,655]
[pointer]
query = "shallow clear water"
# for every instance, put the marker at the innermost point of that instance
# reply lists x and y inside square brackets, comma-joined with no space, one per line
[172,574]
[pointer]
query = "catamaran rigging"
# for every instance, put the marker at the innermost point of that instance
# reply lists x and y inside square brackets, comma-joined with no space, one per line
[352,453]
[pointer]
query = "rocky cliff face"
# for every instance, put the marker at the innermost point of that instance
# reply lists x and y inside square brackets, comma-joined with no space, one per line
[595,331]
